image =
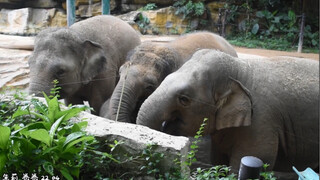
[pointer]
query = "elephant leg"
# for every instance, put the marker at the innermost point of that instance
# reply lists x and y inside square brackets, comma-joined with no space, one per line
[217,157]
[259,145]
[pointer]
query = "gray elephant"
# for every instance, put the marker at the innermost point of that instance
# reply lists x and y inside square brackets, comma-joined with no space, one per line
[266,108]
[149,64]
[84,58]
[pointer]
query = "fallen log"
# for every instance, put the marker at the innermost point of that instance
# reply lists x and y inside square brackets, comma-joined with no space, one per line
[16,42]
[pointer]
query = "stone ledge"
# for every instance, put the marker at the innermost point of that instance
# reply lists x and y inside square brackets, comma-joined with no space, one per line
[135,139]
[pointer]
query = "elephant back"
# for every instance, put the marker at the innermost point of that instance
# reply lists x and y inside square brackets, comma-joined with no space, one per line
[188,44]
[113,34]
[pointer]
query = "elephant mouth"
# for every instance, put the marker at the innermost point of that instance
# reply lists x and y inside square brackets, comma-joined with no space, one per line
[171,126]
[134,113]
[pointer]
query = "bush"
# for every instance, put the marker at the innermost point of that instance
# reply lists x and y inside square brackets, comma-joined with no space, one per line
[189,8]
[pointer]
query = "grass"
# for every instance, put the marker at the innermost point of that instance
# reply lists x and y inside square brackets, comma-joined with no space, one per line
[280,44]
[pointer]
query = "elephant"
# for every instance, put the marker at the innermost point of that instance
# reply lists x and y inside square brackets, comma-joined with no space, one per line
[267,108]
[84,58]
[148,65]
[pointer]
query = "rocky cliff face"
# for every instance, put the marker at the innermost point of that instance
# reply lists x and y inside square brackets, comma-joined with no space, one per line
[28,17]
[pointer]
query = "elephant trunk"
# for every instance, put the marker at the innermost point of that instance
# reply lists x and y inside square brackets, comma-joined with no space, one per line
[154,110]
[127,99]
[37,87]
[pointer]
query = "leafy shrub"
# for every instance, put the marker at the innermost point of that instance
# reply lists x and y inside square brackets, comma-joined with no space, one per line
[45,143]
[38,138]
[275,21]
[189,8]
[143,23]
[150,6]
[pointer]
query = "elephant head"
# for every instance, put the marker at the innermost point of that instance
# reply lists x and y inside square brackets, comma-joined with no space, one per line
[192,93]
[148,65]
[60,53]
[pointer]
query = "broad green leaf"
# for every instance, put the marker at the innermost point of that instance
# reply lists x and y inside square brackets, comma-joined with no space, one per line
[37,125]
[75,171]
[41,135]
[4,137]
[26,146]
[259,14]
[3,160]
[72,112]
[72,137]
[75,128]
[53,108]
[66,174]
[314,42]
[255,29]
[85,138]
[20,112]
[52,149]
[54,128]
[47,166]
[82,124]
[106,155]
[39,106]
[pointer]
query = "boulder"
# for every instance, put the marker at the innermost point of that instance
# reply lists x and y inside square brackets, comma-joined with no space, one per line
[135,139]
[28,21]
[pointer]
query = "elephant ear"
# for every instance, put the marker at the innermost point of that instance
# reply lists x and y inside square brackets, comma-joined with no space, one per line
[234,107]
[95,61]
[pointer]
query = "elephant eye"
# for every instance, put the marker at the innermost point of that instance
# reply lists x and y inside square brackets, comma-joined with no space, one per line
[60,73]
[150,88]
[184,100]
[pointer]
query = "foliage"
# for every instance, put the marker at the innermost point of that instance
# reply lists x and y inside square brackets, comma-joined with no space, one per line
[267,175]
[216,172]
[38,138]
[194,146]
[276,43]
[189,8]
[143,23]
[150,6]
[275,21]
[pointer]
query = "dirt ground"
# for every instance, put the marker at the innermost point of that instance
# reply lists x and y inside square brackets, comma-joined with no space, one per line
[259,52]
[271,53]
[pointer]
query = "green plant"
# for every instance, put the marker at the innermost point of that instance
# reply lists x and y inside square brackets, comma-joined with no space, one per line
[194,146]
[221,172]
[277,20]
[150,6]
[189,8]
[38,138]
[143,23]
[266,175]
[152,160]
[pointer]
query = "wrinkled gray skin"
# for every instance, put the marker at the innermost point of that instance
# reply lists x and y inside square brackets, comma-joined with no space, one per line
[149,64]
[84,58]
[266,108]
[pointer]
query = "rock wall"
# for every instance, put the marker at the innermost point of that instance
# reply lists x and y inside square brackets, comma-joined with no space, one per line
[29,21]
[28,17]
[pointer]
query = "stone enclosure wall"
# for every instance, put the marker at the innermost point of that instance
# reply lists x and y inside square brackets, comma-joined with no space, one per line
[28,17]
